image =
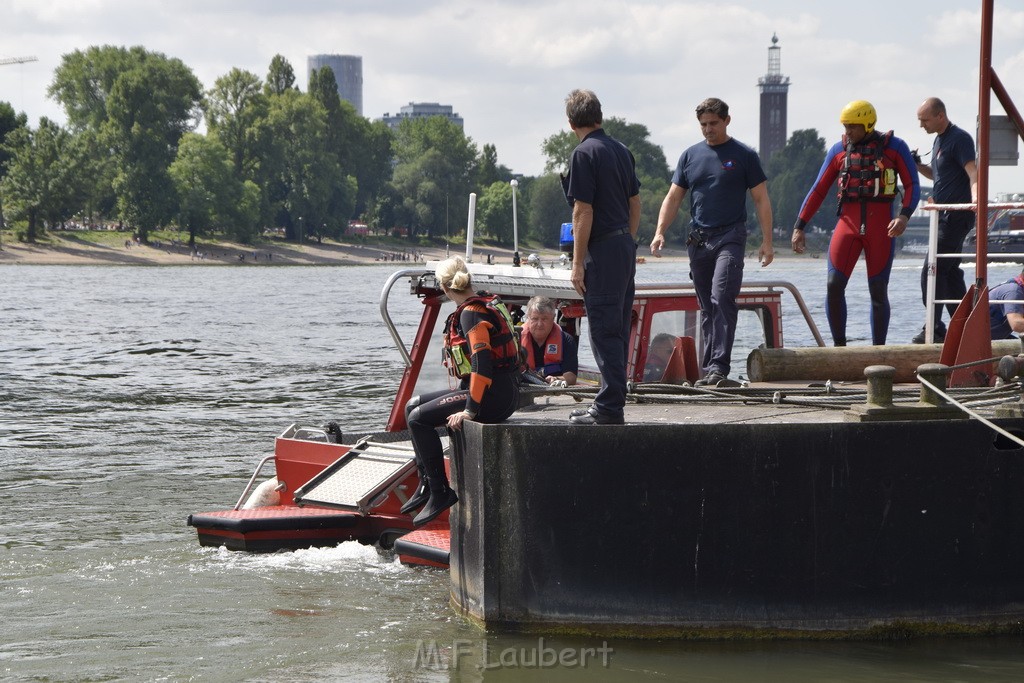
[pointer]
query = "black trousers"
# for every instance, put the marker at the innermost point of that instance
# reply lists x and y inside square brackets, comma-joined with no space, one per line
[426,412]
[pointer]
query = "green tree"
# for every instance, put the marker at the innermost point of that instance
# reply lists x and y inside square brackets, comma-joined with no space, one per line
[791,173]
[234,107]
[99,168]
[651,168]
[84,80]
[653,171]
[280,76]
[247,212]
[149,108]
[489,171]
[652,193]
[304,176]
[342,140]
[42,176]
[137,104]
[435,165]
[557,150]
[494,213]
[547,210]
[650,158]
[208,192]
[363,148]
[375,167]
[9,122]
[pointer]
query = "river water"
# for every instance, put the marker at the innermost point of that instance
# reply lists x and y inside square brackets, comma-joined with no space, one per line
[131,397]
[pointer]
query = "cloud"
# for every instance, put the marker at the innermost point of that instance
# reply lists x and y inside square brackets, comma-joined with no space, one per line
[506,66]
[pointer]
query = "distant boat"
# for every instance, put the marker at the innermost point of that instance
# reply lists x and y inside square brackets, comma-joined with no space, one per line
[1005,246]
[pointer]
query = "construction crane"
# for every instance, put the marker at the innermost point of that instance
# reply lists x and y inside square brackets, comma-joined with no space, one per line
[17,60]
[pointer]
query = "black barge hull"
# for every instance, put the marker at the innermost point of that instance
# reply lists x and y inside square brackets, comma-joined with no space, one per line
[740,529]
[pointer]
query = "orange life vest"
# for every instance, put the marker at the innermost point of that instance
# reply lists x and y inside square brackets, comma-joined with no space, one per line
[553,351]
[868,173]
[504,342]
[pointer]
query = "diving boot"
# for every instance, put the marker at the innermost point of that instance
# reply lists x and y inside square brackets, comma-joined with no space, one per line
[440,500]
[420,496]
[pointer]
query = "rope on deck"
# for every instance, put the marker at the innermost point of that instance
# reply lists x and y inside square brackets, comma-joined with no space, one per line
[962,406]
[826,396]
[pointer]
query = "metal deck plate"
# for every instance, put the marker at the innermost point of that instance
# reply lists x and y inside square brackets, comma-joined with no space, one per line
[358,478]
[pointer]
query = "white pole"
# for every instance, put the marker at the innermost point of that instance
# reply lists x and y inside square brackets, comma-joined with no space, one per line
[471,221]
[933,245]
[515,217]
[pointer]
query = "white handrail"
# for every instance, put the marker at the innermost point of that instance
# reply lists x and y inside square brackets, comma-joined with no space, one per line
[933,257]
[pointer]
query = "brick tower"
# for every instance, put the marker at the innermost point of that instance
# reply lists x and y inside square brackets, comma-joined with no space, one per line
[774,89]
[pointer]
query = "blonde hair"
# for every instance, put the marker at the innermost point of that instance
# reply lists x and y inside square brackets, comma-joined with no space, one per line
[453,275]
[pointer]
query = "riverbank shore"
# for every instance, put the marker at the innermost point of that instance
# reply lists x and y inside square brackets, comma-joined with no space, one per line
[70,249]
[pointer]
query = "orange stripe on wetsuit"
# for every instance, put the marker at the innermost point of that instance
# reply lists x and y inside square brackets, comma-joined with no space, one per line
[481,359]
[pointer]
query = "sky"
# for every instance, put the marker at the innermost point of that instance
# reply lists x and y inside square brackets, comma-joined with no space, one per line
[506,67]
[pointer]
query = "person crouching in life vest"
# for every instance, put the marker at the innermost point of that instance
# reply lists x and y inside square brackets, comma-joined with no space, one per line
[867,164]
[482,351]
[550,350]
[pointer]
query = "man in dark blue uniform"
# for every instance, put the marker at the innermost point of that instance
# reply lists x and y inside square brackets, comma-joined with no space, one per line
[605,194]
[718,173]
[955,176]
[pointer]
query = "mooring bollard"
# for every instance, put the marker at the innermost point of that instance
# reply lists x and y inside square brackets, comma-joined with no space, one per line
[880,378]
[936,374]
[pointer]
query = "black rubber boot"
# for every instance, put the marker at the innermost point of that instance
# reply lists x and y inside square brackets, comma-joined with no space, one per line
[441,498]
[420,496]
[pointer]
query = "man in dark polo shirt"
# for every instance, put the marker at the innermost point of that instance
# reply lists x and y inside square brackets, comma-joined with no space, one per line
[954,174]
[605,194]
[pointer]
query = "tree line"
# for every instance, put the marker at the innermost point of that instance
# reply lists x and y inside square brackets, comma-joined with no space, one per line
[274,156]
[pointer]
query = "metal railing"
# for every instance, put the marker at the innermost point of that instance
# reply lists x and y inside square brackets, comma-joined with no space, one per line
[533,285]
[932,261]
[252,480]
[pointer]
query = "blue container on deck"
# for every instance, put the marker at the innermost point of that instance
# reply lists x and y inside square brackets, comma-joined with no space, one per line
[565,241]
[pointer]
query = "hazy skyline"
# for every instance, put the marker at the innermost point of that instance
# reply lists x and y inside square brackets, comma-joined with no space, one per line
[506,67]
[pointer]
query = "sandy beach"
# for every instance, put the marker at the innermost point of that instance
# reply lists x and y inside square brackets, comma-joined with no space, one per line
[68,249]
[65,248]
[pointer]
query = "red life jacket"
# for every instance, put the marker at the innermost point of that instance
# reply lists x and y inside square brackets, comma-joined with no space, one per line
[504,342]
[868,173]
[553,351]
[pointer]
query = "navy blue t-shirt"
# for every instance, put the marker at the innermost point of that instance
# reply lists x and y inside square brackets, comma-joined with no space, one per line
[717,178]
[950,151]
[997,312]
[602,173]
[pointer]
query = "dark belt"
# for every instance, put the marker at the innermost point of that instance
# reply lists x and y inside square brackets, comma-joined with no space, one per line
[720,229]
[607,235]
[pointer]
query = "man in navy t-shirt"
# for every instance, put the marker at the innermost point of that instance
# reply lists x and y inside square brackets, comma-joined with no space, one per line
[717,173]
[1006,319]
[955,177]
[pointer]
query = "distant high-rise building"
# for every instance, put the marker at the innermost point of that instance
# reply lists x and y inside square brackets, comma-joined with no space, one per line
[348,73]
[421,110]
[774,89]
